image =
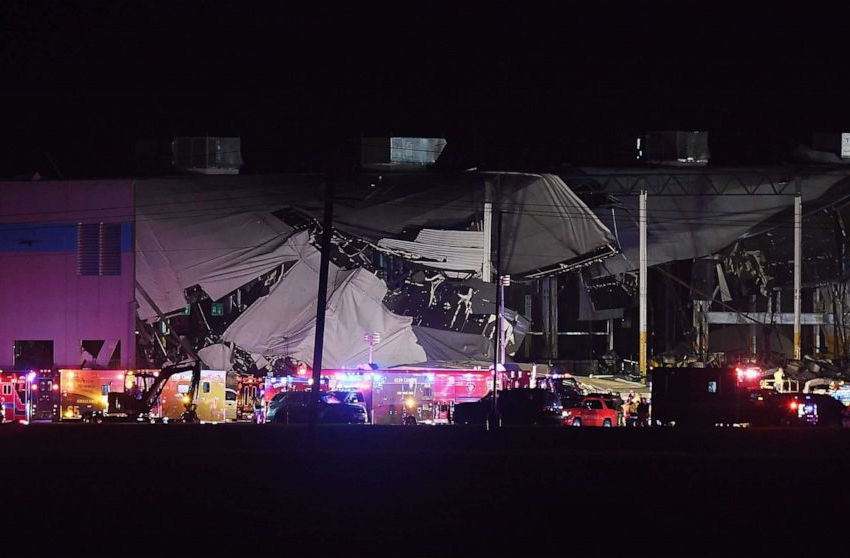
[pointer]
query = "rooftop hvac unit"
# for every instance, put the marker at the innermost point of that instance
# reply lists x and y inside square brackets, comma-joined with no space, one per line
[835,142]
[207,155]
[674,148]
[400,152]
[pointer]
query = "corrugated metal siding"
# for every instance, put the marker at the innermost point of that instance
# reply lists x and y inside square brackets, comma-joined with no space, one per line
[450,250]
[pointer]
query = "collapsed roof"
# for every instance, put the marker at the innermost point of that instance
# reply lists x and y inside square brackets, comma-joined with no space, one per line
[693,214]
[700,212]
[215,235]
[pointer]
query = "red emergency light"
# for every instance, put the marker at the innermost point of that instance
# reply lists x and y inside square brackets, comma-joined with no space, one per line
[747,374]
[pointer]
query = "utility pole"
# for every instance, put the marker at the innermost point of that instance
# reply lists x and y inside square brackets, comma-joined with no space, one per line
[798,249]
[642,287]
[322,296]
[497,353]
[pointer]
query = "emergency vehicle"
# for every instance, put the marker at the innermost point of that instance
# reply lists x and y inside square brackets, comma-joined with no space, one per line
[248,389]
[725,395]
[398,396]
[46,397]
[85,392]
[13,395]
[213,403]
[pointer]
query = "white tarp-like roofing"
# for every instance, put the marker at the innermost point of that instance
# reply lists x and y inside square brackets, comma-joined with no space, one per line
[220,232]
[205,231]
[544,222]
[284,322]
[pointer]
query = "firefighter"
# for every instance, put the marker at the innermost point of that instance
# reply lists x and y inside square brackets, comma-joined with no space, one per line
[259,412]
[627,411]
[643,412]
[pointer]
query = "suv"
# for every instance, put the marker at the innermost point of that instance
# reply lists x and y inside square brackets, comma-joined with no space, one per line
[592,411]
[516,406]
[351,397]
[293,407]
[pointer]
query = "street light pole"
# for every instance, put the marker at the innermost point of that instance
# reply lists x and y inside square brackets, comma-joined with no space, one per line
[372,339]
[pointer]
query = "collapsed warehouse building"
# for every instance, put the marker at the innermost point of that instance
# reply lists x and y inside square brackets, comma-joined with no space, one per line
[720,250]
[139,273]
[227,266]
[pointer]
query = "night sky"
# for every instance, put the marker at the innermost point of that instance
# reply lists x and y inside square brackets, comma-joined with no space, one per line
[511,87]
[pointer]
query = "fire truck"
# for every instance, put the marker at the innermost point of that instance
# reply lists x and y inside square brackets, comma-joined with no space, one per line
[248,389]
[13,395]
[728,395]
[398,396]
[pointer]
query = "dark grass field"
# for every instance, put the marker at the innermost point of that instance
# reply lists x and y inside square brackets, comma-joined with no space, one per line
[245,490]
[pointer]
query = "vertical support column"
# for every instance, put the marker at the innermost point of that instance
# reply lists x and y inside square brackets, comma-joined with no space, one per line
[704,307]
[504,281]
[553,311]
[486,272]
[545,313]
[610,331]
[754,349]
[798,245]
[527,343]
[642,285]
[816,307]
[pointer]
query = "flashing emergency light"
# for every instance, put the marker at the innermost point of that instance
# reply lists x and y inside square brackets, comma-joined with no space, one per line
[302,370]
[34,387]
[55,387]
[748,374]
[793,405]
[31,376]
[409,402]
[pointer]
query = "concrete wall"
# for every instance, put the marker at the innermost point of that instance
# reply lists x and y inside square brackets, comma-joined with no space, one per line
[42,296]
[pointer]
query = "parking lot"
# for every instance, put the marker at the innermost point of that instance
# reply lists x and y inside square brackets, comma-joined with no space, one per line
[423,491]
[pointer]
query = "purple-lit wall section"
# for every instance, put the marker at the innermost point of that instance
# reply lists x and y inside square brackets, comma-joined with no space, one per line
[42,296]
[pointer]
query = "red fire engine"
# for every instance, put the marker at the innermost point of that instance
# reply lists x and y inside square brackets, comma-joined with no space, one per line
[13,395]
[400,396]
